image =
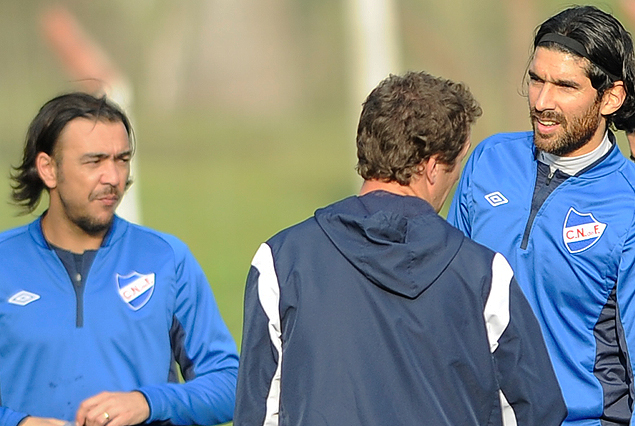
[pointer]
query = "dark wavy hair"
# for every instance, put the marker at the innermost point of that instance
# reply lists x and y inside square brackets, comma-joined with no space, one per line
[609,47]
[407,119]
[44,132]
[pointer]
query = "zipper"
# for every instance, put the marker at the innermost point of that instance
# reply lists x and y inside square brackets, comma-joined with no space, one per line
[542,190]
[79,296]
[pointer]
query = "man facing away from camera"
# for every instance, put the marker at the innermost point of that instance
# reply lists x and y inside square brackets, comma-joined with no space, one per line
[96,312]
[559,203]
[375,311]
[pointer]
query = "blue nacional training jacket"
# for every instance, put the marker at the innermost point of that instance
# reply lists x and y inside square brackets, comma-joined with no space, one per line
[571,243]
[376,312]
[145,304]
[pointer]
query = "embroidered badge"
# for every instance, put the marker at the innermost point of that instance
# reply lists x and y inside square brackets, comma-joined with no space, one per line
[23,298]
[136,289]
[581,231]
[496,199]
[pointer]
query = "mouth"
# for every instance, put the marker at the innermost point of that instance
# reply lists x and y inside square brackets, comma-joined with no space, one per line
[110,200]
[545,126]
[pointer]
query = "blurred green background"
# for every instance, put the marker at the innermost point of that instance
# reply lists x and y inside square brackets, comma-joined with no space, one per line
[245,110]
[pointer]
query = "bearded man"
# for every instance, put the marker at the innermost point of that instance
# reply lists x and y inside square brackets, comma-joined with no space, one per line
[559,204]
[101,318]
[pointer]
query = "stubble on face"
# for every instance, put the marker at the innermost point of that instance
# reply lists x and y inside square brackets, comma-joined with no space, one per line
[91,225]
[576,131]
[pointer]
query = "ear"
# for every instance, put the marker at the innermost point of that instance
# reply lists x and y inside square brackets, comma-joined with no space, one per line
[46,169]
[431,169]
[613,98]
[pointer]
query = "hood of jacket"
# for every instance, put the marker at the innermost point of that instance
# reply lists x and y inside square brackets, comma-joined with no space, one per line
[398,242]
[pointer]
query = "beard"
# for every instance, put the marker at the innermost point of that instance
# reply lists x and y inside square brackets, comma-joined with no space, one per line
[90,224]
[574,133]
[92,227]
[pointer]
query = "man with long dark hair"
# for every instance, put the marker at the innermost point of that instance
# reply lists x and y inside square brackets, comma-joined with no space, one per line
[98,316]
[559,203]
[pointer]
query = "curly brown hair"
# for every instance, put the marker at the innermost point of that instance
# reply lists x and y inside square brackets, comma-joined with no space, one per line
[407,119]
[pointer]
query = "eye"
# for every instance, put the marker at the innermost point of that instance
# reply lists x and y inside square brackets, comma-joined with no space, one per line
[534,78]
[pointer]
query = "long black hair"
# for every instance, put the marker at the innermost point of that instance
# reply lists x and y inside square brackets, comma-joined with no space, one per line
[44,132]
[607,46]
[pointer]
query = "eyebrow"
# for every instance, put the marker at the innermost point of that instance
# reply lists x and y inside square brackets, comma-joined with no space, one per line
[101,155]
[558,82]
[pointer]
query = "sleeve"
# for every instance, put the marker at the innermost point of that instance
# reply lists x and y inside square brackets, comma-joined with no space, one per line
[459,213]
[529,390]
[258,390]
[205,351]
[9,417]
[625,316]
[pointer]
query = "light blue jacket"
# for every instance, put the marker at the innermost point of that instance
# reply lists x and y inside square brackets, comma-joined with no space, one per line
[146,303]
[571,243]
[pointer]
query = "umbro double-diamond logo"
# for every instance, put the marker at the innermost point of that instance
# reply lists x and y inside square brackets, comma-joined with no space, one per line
[23,298]
[496,199]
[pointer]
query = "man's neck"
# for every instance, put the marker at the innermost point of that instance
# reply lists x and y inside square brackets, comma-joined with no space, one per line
[68,236]
[573,165]
[392,187]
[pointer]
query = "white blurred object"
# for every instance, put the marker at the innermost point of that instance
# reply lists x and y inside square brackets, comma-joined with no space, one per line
[374,48]
[375,44]
[90,66]
[121,94]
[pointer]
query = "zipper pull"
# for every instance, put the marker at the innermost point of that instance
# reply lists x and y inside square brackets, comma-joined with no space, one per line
[550,176]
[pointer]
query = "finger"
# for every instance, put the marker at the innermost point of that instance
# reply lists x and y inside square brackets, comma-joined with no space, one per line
[89,408]
[100,415]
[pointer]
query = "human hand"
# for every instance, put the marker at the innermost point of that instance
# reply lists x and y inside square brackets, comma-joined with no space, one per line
[42,421]
[114,409]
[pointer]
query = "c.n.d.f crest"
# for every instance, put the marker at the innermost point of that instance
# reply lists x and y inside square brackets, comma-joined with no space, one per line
[581,231]
[136,289]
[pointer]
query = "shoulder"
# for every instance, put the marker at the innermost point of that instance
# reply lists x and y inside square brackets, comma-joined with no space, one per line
[628,172]
[615,173]
[475,253]
[501,153]
[481,266]
[151,240]
[502,142]
[15,235]
[296,234]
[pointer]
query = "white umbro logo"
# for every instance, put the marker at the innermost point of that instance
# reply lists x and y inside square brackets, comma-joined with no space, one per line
[23,298]
[496,199]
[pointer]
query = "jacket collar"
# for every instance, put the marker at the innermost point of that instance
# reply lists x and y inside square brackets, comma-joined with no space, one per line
[117,230]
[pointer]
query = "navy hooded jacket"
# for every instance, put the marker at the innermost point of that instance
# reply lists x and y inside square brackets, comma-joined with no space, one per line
[377,312]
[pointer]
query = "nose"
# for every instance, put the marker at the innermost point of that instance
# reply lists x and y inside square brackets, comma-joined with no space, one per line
[544,98]
[111,173]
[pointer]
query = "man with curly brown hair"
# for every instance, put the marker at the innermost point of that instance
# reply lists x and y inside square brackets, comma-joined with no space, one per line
[375,311]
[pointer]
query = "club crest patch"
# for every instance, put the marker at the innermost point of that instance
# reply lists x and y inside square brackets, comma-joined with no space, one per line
[136,289]
[581,231]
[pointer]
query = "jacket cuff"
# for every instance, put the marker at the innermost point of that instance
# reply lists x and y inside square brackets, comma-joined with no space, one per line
[153,398]
[15,418]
